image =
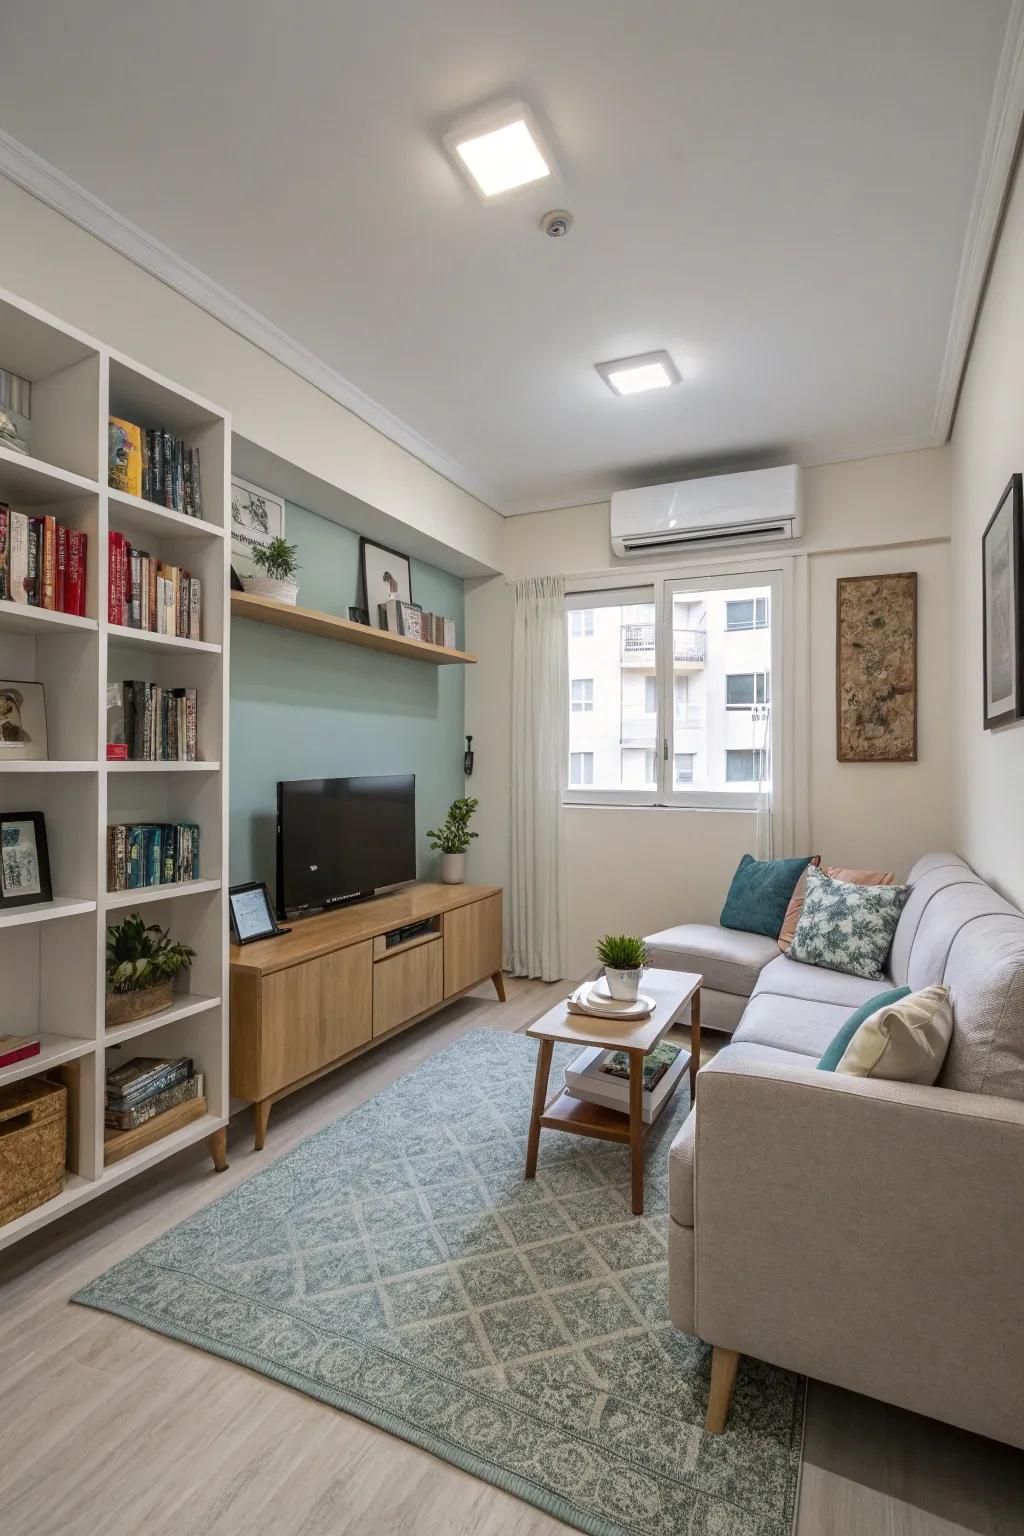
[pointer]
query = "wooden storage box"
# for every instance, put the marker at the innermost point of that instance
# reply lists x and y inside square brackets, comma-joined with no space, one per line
[33,1133]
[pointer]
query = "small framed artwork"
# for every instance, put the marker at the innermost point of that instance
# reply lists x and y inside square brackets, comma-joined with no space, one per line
[257,517]
[359,616]
[22,722]
[1002,647]
[385,574]
[24,860]
[252,916]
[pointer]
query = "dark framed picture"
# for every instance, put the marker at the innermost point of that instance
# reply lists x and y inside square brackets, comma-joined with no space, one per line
[252,916]
[359,615]
[1002,649]
[24,860]
[385,574]
[22,722]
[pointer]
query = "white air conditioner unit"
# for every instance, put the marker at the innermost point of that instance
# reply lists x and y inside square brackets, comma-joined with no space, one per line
[757,506]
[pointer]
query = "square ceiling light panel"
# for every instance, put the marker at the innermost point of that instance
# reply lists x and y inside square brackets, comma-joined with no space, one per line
[500,150]
[637,375]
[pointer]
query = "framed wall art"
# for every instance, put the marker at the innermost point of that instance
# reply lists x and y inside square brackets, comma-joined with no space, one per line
[24,860]
[384,573]
[257,517]
[22,722]
[1002,648]
[876,668]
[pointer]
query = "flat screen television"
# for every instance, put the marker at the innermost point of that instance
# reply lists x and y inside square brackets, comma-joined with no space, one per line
[341,839]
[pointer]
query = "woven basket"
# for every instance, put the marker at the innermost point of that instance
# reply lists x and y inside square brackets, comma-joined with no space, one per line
[126,1007]
[33,1129]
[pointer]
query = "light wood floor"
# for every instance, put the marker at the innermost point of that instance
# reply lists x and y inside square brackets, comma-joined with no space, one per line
[109,1430]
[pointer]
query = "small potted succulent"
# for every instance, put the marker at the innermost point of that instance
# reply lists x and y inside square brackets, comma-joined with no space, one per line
[452,838]
[278,562]
[142,963]
[624,960]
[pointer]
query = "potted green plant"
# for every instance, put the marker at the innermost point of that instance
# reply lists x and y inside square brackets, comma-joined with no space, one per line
[623,959]
[452,838]
[278,562]
[142,963]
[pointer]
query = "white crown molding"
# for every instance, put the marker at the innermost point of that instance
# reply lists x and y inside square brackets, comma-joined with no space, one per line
[999,153]
[35,175]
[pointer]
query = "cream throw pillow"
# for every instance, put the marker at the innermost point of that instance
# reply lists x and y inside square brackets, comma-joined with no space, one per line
[905,1042]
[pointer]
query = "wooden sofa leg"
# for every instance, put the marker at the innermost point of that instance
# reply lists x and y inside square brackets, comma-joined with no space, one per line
[724,1363]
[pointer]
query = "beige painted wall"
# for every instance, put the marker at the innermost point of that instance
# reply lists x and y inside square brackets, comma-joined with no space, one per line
[647,868]
[53,263]
[987,448]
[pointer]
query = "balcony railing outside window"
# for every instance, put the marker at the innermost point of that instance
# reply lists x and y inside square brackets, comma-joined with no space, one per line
[638,643]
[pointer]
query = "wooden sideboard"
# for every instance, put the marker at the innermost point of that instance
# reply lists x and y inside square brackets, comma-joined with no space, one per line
[334,987]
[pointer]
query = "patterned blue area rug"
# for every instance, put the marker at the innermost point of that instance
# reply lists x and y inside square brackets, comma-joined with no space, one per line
[398,1266]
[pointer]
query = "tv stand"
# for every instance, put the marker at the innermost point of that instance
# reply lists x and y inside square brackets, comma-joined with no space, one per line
[344,980]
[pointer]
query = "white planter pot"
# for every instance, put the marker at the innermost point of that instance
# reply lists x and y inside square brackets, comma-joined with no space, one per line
[453,868]
[267,586]
[623,985]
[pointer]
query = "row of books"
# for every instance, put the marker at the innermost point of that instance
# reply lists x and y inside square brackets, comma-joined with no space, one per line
[154,465]
[42,562]
[146,593]
[411,620]
[145,854]
[149,723]
[147,1086]
[18,1048]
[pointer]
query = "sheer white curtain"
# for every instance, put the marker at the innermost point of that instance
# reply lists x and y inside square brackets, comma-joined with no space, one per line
[536,942]
[763,728]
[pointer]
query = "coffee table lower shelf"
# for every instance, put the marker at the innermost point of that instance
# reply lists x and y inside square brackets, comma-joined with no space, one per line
[582,1118]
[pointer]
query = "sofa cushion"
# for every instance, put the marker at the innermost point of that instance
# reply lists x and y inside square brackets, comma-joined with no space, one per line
[903,1041]
[728,959]
[760,893]
[848,927]
[792,979]
[984,972]
[802,1026]
[926,887]
[835,1051]
[941,860]
[796,906]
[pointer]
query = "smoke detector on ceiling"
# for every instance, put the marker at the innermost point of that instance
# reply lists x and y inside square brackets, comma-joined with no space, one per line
[556,223]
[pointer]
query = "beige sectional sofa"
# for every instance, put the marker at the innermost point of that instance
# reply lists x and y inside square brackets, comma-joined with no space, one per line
[867,1233]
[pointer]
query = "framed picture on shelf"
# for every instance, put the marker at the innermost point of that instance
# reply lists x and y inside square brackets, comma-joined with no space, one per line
[22,722]
[24,860]
[359,615]
[257,517]
[1002,644]
[384,574]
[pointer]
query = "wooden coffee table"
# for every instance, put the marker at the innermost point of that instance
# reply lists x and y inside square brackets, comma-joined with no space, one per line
[671,991]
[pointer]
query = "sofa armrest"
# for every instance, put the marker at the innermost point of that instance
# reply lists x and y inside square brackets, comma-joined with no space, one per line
[868,1233]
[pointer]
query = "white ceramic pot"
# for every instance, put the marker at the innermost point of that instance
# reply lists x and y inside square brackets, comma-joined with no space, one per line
[623,985]
[267,586]
[453,868]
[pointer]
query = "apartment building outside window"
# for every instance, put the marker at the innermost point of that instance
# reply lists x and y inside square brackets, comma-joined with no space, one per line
[747,613]
[581,623]
[582,694]
[581,768]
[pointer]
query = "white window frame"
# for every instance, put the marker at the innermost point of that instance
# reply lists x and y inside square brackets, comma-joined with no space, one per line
[755,702]
[777,573]
[585,704]
[586,626]
[582,754]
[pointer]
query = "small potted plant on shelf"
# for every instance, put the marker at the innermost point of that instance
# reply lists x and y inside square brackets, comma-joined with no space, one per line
[278,562]
[624,960]
[142,963]
[452,838]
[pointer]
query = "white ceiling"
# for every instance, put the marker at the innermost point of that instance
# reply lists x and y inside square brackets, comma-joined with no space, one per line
[777,192]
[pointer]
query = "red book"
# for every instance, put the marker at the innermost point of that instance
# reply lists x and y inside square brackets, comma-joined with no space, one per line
[117,752]
[60,591]
[126,582]
[19,1052]
[75,579]
[115,578]
[83,547]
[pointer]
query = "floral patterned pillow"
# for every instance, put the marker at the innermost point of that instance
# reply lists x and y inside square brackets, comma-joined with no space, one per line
[847,927]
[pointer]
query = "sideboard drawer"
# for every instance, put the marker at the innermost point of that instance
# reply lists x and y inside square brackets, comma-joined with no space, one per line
[406,984]
[311,1014]
[472,944]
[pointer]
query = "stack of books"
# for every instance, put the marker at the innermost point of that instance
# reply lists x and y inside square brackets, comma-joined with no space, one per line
[149,723]
[151,854]
[42,563]
[17,1048]
[154,465]
[146,593]
[409,619]
[148,1086]
[602,1077]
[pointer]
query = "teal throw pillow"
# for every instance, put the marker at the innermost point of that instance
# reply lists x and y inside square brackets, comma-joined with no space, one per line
[759,894]
[835,1052]
[847,927]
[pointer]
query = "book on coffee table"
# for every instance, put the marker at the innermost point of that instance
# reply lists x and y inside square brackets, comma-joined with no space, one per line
[589,1078]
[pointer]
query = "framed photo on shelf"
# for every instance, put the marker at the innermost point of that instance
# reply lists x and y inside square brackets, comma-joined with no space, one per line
[384,573]
[22,722]
[257,517]
[252,916]
[24,860]
[1002,642]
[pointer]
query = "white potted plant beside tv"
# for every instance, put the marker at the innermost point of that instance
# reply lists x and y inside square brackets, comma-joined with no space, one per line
[278,562]
[452,838]
[624,960]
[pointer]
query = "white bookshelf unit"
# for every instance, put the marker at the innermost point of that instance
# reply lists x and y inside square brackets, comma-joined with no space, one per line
[52,955]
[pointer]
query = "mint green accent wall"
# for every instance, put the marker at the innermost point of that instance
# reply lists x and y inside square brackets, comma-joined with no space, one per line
[303,708]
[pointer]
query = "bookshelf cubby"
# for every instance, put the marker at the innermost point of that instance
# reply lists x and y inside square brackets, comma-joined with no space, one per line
[52,954]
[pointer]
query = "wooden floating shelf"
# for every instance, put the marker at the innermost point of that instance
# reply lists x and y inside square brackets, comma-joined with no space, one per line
[265,610]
